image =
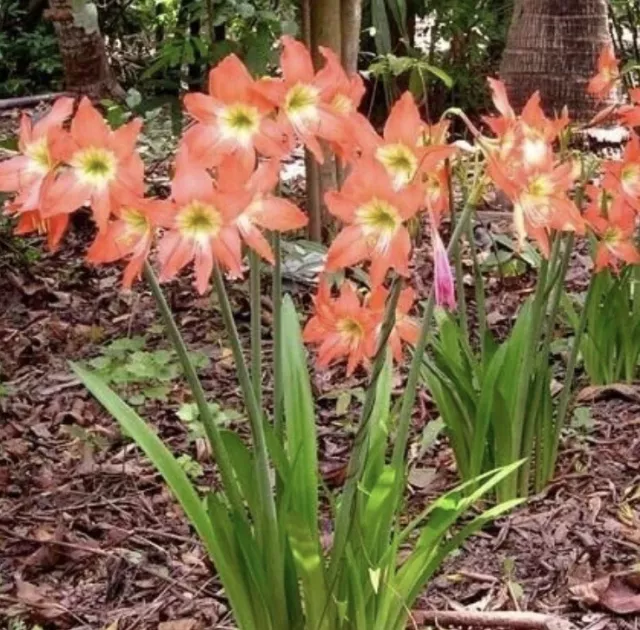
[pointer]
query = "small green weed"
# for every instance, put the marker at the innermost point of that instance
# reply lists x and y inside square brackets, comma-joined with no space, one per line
[141,375]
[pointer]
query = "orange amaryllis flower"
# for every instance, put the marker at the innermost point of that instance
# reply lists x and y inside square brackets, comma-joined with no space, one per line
[630,114]
[303,98]
[375,215]
[615,228]
[27,172]
[623,177]
[104,168]
[202,227]
[405,328]
[261,209]
[401,150]
[607,76]
[539,132]
[130,236]
[30,221]
[343,93]
[540,200]
[341,327]
[232,119]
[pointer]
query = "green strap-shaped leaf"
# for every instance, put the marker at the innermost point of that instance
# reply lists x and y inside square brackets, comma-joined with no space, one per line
[177,480]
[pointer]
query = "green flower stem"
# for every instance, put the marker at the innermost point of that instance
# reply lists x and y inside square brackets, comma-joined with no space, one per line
[276,298]
[254,411]
[256,335]
[478,282]
[408,400]
[357,460]
[565,394]
[211,429]
[457,258]
[555,289]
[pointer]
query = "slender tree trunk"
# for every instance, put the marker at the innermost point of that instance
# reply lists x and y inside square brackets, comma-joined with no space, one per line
[326,30]
[351,26]
[553,46]
[86,69]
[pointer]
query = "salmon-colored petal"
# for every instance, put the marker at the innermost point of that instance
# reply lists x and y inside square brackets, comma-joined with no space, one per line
[61,110]
[230,81]
[310,141]
[102,207]
[133,270]
[14,174]
[227,249]
[340,206]
[131,175]
[25,132]
[404,123]
[65,195]
[203,144]
[273,140]
[125,137]
[62,145]
[627,251]
[202,107]
[295,61]
[88,128]
[348,248]
[256,241]
[273,90]
[408,330]
[110,244]
[331,126]
[190,182]
[203,264]
[265,178]
[281,215]
[500,98]
[174,253]
[56,228]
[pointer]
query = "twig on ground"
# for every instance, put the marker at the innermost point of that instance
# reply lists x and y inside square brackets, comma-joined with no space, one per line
[510,620]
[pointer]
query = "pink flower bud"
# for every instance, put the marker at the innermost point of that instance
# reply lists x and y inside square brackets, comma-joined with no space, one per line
[443,276]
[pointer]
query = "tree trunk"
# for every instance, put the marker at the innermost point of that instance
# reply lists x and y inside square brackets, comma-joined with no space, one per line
[86,69]
[553,47]
[350,37]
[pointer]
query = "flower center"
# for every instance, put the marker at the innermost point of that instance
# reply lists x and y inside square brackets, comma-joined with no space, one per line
[351,330]
[611,236]
[379,218]
[95,166]
[239,121]
[136,221]
[39,156]
[630,176]
[301,101]
[540,188]
[400,161]
[199,221]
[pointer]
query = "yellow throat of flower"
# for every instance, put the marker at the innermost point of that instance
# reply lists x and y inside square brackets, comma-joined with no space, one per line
[95,166]
[239,122]
[351,331]
[301,102]
[400,162]
[40,160]
[199,221]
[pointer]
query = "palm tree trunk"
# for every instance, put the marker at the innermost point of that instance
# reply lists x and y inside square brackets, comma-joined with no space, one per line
[86,69]
[553,46]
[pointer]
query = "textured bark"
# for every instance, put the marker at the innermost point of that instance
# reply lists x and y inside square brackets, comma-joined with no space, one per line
[325,30]
[553,47]
[350,36]
[86,69]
